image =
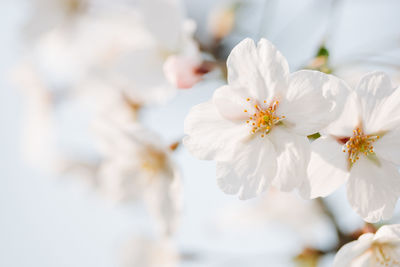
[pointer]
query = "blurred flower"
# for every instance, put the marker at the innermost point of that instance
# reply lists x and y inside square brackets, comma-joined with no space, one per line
[256,127]
[308,258]
[38,134]
[146,252]
[361,145]
[222,20]
[301,216]
[138,166]
[146,59]
[380,249]
[47,14]
[185,72]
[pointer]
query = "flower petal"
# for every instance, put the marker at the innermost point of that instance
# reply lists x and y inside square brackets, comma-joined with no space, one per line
[327,169]
[348,120]
[355,254]
[232,103]
[304,105]
[260,70]
[378,101]
[387,146]
[250,171]
[388,234]
[373,190]
[293,153]
[163,199]
[209,136]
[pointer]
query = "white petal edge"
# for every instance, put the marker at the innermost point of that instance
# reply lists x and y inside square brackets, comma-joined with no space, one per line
[261,70]
[306,108]
[327,169]
[351,251]
[373,190]
[209,135]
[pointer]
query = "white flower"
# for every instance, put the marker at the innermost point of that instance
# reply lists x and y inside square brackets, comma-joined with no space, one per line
[362,148]
[169,58]
[146,252]
[39,142]
[47,14]
[304,217]
[256,127]
[138,166]
[380,249]
[145,58]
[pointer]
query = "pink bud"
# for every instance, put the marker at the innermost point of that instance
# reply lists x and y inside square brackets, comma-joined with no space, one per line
[184,72]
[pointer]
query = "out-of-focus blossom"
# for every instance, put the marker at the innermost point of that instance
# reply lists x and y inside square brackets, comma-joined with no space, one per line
[222,20]
[301,216]
[146,252]
[138,166]
[38,134]
[361,146]
[108,103]
[380,249]
[146,59]
[47,14]
[256,127]
[184,72]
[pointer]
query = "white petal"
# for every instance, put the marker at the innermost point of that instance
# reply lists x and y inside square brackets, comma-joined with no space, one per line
[373,190]
[232,102]
[261,70]
[293,153]
[250,171]
[168,26]
[388,146]
[209,136]
[348,254]
[375,84]
[304,105]
[327,169]
[388,234]
[348,120]
[163,198]
[377,105]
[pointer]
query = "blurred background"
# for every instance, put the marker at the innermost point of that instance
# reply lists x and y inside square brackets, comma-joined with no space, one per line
[67,68]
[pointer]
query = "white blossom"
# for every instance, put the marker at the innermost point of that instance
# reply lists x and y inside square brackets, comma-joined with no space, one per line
[147,252]
[256,127]
[47,14]
[137,166]
[380,249]
[38,137]
[147,59]
[361,148]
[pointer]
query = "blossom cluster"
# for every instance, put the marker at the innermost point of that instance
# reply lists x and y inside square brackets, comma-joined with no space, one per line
[272,133]
[257,129]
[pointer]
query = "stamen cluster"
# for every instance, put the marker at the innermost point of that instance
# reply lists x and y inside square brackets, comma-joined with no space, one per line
[384,257]
[264,119]
[358,144]
[153,160]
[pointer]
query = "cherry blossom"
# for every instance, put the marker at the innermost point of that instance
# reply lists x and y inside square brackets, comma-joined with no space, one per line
[361,149]
[137,166]
[148,252]
[256,127]
[380,249]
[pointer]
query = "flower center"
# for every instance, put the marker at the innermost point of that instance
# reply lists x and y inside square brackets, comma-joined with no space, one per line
[384,255]
[358,144]
[74,6]
[264,118]
[153,161]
